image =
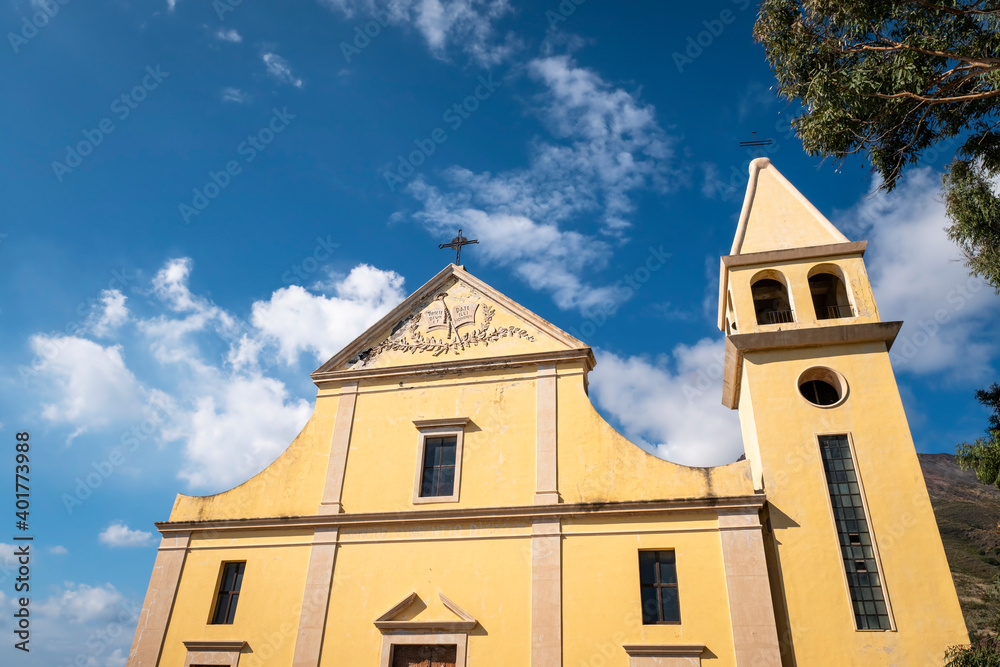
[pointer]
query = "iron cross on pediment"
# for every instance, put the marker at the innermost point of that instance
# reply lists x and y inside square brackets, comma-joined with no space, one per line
[456,245]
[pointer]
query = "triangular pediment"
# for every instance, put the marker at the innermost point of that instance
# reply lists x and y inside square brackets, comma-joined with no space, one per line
[412,613]
[776,216]
[453,317]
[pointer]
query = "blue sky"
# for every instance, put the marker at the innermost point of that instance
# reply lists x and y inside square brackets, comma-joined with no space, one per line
[204,201]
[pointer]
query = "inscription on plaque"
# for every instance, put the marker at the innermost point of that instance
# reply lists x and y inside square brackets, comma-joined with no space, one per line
[435,319]
[464,314]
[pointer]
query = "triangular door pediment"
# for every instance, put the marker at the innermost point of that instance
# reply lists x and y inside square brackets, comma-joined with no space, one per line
[396,617]
[453,317]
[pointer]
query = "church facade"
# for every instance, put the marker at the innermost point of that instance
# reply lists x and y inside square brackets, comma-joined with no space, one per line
[455,500]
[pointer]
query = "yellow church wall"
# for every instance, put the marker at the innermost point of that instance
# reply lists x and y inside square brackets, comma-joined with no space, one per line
[267,614]
[602,607]
[748,429]
[914,571]
[489,579]
[598,464]
[291,485]
[796,279]
[498,459]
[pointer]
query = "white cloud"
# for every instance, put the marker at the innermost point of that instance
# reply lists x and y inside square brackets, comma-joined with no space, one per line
[172,338]
[297,320]
[234,95]
[120,535]
[80,603]
[229,417]
[918,276]
[118,658]
[171,4]
[58,550]
[89,384]
[8,561]
[608,146]
[236,429]
[444,24]
[111,314]
[672,405]
[280,69]
[230,35]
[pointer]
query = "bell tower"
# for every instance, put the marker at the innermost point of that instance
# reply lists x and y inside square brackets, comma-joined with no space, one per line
[857,569]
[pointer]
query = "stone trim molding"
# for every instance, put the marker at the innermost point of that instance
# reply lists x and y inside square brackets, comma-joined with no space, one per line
[755,635]
[325,379]
[664,650]
[737,345]
[152,627]
[316,598]
[793,254]
[339,447]
[546,593]
[460,641]
[664,655]
[466,622]
[529,512]
[546,437]
[213,653]
[452,422]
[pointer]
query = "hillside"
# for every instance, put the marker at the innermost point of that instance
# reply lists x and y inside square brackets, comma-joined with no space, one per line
[968,514]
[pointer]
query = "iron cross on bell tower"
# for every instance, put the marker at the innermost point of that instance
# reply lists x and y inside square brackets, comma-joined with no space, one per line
[456,245]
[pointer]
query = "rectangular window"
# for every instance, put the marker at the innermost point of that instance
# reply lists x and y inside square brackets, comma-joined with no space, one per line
[229,593]
[439,467]
[658,585]
[857,550]
[438,474]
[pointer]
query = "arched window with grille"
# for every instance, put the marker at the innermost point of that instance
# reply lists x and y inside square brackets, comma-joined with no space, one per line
[829,294]
[770,298]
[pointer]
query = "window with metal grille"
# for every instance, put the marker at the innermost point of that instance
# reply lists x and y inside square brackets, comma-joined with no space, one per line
[658,586]
[857,550]
[424,655]
[439,467]
[229,593]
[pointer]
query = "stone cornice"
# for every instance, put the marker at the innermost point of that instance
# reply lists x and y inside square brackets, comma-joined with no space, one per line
[793,254]
[664,650]
[323,379]
[737,345]
[750,503]
[216,645]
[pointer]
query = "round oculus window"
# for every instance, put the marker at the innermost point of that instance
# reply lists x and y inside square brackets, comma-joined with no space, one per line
[822,387]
